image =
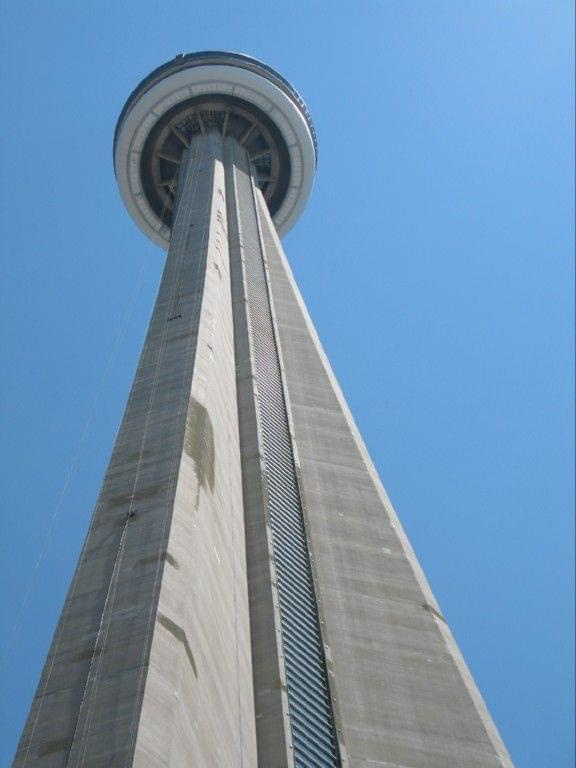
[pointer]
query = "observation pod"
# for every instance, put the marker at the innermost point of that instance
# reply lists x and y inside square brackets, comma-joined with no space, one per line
[194,94]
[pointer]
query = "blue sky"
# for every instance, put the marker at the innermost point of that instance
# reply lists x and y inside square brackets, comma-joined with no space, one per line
[436,258]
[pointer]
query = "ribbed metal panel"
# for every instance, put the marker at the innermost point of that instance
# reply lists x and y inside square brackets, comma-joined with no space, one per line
[312,722]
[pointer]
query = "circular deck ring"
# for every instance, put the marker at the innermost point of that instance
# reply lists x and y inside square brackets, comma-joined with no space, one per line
[198,92]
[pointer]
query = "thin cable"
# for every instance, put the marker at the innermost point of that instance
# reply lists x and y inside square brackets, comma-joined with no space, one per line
[106,620]
[110,595]
[8,648]
[184,399]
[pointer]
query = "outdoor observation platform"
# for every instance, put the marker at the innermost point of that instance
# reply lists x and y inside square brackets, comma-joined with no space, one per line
[197,93]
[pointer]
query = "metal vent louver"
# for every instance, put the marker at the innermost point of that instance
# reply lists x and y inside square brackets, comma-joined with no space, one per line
[312,722]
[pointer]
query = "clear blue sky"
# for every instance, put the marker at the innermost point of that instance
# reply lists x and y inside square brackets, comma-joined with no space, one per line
[436,257]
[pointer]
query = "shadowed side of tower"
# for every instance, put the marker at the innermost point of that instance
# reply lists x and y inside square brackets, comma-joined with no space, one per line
[246,595]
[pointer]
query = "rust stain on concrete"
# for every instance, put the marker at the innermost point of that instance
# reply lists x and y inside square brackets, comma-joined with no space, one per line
[432,610]
[155,558]
[199,442]
[180,635]
[56,745]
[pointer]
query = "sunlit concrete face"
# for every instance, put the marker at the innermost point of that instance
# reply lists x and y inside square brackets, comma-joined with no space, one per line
[246,595]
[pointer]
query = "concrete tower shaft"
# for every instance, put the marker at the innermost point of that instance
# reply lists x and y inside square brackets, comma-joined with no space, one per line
[246,596]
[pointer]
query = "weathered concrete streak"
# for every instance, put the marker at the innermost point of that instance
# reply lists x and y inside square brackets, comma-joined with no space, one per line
[124,685]
[403,695]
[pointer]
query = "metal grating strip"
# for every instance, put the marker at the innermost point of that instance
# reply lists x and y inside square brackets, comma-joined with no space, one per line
[311,717]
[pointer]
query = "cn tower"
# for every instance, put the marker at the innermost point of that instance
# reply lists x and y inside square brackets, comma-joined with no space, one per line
[246,596]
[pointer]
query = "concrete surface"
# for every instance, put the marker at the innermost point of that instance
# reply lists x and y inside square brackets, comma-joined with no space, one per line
[171,648]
